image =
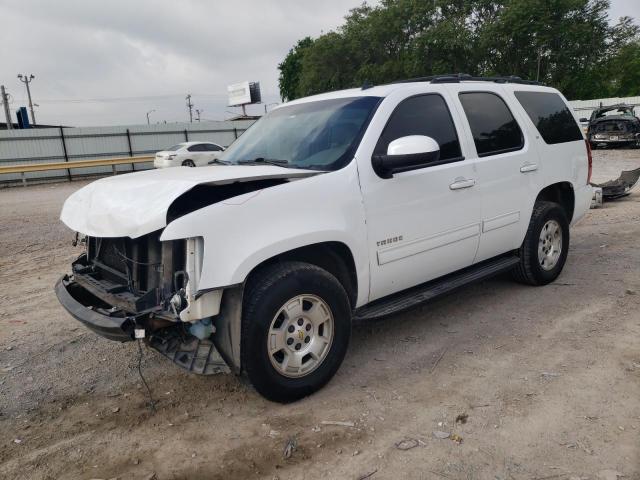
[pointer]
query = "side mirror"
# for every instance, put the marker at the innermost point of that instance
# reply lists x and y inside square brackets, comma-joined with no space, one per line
[406,153]
[583,120]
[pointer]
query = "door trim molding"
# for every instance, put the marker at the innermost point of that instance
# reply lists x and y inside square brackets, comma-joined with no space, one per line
[500,221]
[420,245]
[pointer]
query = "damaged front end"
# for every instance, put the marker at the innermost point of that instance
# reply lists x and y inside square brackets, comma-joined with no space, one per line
[123,289]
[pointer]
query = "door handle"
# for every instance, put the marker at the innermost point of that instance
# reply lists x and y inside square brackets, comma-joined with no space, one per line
[529,167]
[462,183]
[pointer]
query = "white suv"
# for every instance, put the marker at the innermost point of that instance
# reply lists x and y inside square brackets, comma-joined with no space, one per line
[352,204]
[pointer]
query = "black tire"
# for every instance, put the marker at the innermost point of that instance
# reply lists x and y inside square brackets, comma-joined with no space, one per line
[188,163]
[267,290]
[529,270]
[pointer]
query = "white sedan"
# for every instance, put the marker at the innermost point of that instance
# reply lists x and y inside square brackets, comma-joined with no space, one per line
[188,154]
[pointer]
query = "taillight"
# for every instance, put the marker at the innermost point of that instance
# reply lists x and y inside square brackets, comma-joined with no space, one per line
[590,160]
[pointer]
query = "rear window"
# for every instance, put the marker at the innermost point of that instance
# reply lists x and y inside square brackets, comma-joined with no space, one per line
[493,127]
[551,116]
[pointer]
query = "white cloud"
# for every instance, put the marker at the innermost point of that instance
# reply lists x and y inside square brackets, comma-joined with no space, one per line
[153,53]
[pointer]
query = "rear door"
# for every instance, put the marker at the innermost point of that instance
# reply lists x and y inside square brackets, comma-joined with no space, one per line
[196,154]
[509,173]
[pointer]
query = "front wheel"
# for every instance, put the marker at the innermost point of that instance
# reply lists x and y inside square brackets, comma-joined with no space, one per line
[544,250]
[296,324]
[188,163]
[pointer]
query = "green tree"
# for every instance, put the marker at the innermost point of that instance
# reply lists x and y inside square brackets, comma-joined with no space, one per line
[625,68]
[568,44]
[290,69]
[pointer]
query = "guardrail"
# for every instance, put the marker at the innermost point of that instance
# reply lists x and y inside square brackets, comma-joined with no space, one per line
[42,167]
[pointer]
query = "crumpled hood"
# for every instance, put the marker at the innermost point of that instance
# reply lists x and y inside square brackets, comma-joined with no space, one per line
[135,204]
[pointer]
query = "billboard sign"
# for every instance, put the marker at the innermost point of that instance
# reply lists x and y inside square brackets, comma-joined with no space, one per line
[244,93]
[239,94]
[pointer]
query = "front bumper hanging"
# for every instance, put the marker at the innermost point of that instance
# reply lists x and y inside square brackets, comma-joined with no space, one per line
[173,341]
[71,296]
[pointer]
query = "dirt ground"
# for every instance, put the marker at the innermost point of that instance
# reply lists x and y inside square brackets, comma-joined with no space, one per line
[549,377]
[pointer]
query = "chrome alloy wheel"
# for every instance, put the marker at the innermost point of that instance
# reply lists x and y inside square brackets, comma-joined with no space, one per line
[300,336]
[550,245]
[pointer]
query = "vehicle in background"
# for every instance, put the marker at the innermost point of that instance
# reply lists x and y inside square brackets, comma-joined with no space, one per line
[615,125]
[188,154]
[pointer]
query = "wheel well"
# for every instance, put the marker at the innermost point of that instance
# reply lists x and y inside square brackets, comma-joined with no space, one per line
[562,194]
[334,257]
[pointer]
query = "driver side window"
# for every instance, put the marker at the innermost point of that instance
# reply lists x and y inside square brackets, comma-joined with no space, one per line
[423,115]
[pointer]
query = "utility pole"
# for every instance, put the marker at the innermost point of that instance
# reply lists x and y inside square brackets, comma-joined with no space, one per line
[5,102]
[27,79]
[198,112]
[150,111]
[190,107]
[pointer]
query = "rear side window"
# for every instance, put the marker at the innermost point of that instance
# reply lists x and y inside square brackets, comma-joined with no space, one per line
[493,127]
[551,116]
[198,147]
[423,115]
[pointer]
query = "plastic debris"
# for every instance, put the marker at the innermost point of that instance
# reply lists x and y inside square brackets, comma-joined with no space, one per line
[407,444]
[337,423]
[290,447]
[440,434]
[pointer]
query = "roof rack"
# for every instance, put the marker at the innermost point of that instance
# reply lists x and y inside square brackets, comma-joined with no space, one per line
[460,77]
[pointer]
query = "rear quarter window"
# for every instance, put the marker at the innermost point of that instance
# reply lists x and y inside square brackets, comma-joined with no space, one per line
[551,117]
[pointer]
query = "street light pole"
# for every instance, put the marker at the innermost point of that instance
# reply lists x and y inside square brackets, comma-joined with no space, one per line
[150,111]
[27,79]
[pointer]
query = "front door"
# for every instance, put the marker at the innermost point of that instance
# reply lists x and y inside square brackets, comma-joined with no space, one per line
[423,223]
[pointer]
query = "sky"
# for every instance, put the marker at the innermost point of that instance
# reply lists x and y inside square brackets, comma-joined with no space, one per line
[109,63]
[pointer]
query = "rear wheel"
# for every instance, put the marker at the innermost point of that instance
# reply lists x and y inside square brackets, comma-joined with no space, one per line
[188,163]
[296,325]
[544,250]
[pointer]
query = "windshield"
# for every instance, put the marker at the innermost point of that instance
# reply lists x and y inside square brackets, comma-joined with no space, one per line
[318,135]
[175,147]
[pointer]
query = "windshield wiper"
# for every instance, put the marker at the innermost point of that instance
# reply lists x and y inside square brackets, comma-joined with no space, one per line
[270,161]
[218,162]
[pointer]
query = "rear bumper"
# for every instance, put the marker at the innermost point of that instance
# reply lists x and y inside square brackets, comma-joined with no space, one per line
[71,296]
[612,143]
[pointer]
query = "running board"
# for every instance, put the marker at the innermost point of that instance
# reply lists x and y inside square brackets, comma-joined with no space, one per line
[407,299]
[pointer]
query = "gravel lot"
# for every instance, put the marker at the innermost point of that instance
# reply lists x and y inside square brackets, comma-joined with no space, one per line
[549,377]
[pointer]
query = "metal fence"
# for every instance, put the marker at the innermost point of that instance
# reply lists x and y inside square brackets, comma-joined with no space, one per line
[72,144]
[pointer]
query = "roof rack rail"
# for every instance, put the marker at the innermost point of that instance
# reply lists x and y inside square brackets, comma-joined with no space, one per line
[460,77]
